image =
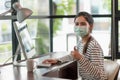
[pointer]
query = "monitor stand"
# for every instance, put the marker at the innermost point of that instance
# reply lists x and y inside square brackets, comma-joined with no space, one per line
[15,61]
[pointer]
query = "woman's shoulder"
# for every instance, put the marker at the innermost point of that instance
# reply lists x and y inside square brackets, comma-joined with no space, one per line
[94,45]
[93,42]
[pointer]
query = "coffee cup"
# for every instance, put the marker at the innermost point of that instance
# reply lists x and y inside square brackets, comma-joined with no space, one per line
[30,65]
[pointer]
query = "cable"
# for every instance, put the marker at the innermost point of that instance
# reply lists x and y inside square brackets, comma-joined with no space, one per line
[16,54]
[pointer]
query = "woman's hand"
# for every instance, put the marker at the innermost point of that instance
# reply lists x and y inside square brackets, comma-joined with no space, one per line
[76,54]
[50,61]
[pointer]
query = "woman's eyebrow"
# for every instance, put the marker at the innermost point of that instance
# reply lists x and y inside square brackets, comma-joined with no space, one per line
[83,23]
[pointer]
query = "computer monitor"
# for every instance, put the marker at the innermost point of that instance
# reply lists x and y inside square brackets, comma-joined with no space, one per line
[25,42]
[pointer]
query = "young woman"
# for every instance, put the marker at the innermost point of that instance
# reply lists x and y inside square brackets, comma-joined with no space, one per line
[88,52]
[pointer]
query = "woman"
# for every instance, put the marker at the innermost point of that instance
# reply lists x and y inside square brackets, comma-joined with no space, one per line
[88,52]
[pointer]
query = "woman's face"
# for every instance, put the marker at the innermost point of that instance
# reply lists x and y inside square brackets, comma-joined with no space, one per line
[83,24]
[81,21]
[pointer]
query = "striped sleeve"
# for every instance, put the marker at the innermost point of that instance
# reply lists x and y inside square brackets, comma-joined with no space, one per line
[66,58]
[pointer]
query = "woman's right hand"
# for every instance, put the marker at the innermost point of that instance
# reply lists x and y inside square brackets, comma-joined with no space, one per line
[50,61]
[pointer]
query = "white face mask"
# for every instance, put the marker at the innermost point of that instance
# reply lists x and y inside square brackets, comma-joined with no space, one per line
[81,30]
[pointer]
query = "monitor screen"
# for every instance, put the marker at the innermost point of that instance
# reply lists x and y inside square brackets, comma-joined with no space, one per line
[24,39]
[24,34]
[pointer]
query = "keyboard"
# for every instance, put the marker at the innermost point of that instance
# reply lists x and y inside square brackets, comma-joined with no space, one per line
[41,65]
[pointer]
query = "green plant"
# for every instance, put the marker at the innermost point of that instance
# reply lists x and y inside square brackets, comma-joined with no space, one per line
[6,47]
[107,4]
[42,38]
[4,27]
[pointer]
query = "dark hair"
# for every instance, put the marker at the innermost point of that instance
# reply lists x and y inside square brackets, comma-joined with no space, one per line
[87,16]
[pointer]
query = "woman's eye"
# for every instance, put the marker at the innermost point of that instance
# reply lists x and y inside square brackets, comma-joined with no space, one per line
[81,24]
[76,24]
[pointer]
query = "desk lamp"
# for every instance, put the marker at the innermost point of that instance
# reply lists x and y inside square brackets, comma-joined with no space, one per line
[22,14]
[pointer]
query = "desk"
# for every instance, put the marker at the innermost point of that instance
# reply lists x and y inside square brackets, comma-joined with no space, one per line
[10,72]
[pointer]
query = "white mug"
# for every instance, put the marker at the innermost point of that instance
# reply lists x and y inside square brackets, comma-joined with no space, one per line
[30,65]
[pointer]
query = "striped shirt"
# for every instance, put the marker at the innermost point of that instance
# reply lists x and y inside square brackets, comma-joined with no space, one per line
[91,65]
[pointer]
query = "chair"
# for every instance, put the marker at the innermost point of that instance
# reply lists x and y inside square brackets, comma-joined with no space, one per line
[112,69]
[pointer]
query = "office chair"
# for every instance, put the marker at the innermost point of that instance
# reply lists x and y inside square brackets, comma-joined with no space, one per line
[112,69]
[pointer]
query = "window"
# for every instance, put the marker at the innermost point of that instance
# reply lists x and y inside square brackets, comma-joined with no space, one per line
[39,31]
[5,34]
[40,7]
[102,32]
[99,7]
